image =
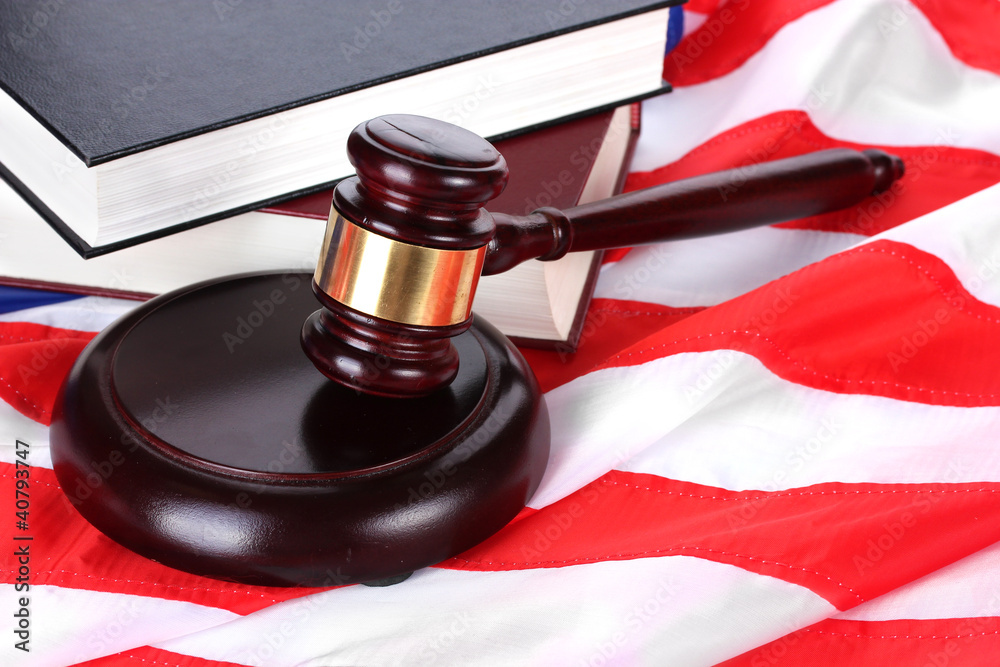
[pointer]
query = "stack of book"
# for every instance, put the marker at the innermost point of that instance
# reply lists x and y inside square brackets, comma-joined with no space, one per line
[128,158]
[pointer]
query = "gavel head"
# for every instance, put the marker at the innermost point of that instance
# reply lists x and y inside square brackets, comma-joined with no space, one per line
[402,255]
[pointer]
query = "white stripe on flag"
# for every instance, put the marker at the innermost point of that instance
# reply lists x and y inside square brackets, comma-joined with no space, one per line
[693,21]
[822,64]
[653,611]
[13,427]
[689,273]
[89,313]
[70,625]
[724,420]
[758,431]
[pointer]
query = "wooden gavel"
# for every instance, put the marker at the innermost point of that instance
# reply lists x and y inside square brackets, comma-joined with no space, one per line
[408,239]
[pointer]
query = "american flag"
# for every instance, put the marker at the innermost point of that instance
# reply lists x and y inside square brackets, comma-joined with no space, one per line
[774,447]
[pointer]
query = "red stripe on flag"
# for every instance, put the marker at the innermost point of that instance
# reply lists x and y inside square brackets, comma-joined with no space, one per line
[970,28]
[865,539]
[701,6]
[34,360]
[883,319]
[732,33]
[948,642]
[935,175]
[74,554]
[147,655]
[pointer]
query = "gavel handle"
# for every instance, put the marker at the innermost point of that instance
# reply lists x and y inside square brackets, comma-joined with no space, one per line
[724,201]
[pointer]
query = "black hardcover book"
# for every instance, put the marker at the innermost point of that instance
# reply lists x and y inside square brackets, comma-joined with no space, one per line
[125,120]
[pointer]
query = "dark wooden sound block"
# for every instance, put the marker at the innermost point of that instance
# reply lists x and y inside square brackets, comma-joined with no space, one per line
[196,432]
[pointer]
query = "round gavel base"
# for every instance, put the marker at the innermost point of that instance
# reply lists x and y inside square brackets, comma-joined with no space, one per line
[196,432]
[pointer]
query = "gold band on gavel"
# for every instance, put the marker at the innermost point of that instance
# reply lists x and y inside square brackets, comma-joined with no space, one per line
[394,280]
